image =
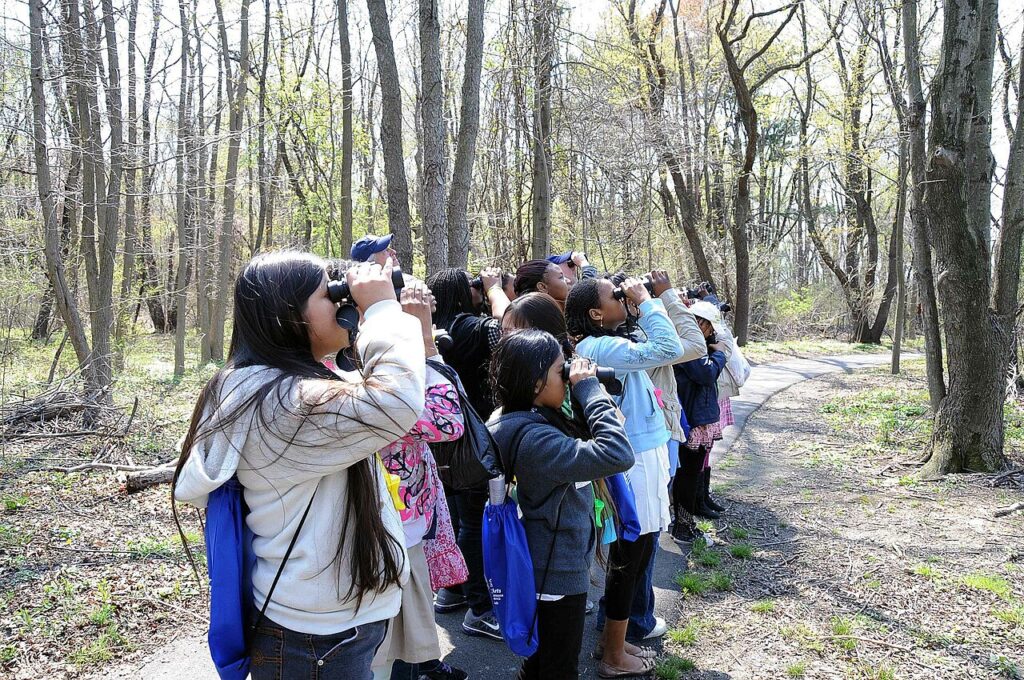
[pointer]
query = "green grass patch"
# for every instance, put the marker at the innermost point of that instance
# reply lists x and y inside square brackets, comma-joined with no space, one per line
[150,547]
[739,533]
[709,558]
[997,585]
[720,581]
[8,653]
[927,571]
[706,525]
[763,607]
[692,583]
[673,668]
[741,551]
[14,503]
[688,635]
[104,648]
[842,627]
[796,670]
[1013,616]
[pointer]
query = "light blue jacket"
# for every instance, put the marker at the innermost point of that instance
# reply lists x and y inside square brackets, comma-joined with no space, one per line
[645,422]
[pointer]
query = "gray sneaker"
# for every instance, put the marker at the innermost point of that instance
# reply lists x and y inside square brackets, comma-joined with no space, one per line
[485,625]
[449,600]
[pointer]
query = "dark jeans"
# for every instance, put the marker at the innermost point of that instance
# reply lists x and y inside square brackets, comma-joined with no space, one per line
[470,507]
[627,562]
[560,638]
[689,479]
[279,653]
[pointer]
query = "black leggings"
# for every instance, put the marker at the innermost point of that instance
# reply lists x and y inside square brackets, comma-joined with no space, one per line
[689,477]
[626,561]
[560,637]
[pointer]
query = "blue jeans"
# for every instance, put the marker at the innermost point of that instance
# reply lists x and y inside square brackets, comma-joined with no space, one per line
[641,610]
[279,653]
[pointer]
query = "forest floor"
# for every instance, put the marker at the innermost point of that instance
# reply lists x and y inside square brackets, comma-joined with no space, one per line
[838,532]
[833,561]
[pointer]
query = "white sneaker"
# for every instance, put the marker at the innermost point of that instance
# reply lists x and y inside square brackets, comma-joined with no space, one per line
[660,628]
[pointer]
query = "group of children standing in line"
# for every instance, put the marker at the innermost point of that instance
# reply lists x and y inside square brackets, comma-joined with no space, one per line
[350,592]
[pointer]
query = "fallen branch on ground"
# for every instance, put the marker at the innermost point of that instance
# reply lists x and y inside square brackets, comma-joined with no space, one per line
[145,478]
[1003,512]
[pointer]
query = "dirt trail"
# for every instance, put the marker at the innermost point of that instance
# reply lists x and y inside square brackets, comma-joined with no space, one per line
[856,570]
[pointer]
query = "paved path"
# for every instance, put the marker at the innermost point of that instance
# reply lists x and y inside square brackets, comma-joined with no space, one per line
[188,657]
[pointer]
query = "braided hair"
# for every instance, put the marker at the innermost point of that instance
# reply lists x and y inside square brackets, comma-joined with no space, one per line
[583,297]
[453,295]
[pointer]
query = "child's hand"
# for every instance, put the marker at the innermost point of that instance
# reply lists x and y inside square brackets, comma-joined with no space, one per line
[581,368]
[636,291]
[417,301]
[661,282]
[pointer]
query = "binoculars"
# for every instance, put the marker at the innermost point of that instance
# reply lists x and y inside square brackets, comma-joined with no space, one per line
[620,294]
[606,376]
[339,291]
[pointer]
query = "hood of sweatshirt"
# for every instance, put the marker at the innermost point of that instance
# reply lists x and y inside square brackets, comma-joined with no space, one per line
[216,455]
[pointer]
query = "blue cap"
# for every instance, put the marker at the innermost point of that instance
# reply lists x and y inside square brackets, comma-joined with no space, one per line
[560,259]
[367,246]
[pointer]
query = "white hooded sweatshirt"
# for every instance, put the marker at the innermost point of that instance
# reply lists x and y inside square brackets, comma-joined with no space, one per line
[303,437]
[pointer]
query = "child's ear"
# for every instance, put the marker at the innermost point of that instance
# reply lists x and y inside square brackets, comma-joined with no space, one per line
[596,315]
[538,387]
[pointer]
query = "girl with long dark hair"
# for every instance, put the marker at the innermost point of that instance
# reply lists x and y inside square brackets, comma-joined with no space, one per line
[553,469]
[301,441]
[594,317]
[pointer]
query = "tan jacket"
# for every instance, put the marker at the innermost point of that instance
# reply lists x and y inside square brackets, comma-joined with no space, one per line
[692,339]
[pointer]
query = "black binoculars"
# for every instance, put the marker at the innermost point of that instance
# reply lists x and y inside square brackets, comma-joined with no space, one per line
[620,294]
[606,376]
[339,291]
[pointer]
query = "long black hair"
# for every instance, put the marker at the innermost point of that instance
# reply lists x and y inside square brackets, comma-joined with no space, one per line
[453,295]
[521,360]
[269,331]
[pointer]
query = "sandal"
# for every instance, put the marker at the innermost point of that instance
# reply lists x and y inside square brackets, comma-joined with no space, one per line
[607,671]
[641,653]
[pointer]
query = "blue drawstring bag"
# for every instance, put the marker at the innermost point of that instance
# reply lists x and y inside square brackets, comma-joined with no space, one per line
[625,507]
[509,573]
[229,561]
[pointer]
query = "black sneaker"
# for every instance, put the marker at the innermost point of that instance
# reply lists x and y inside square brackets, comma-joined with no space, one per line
[439,670]
[449,600]
[485,625]
[685,533]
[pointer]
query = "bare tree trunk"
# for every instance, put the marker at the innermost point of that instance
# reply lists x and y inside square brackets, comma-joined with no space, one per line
[544,19]
[66,303]
[346,129]
[968,430]
[152,290]
[181,199]
[391,132]
[206,246]
[236,115]
[434,138]
[131,181]
[922,249]
[469,127]
[264,190]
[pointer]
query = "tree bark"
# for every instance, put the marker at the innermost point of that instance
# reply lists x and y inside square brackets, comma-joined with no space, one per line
[236,116]
[543,62]
[391,132]
[469,127]
[434,134]
[66,303]
[968,430]
[921,245]
[346,129]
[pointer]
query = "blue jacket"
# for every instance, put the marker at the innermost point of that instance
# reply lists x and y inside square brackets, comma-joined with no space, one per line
[551,469]
[697,384]
[645,422]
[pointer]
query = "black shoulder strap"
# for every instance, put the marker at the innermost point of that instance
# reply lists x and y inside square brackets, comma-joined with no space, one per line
[287,554]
